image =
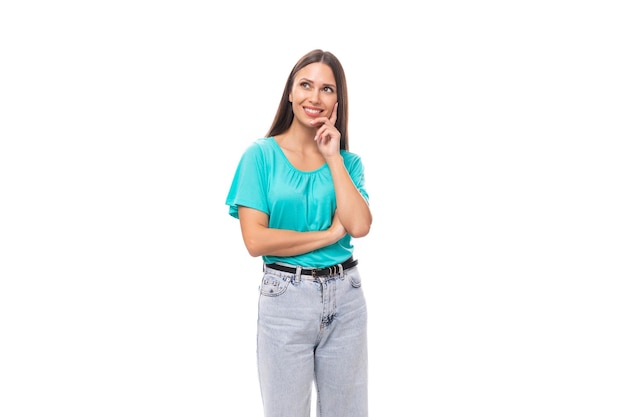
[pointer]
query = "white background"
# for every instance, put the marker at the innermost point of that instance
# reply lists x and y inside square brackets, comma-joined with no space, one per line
[491,134]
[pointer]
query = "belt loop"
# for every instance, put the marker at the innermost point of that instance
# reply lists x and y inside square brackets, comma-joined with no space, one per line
[298,274]
[340,270]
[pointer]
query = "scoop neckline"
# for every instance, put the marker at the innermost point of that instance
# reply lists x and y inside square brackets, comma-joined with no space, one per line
[280,150]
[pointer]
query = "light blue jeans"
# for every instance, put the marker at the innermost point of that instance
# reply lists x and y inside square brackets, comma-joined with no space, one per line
[312,329]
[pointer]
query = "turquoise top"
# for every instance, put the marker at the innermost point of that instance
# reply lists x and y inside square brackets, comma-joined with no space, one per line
[297,200]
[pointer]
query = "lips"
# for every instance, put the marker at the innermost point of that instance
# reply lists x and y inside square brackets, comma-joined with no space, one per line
[312,112]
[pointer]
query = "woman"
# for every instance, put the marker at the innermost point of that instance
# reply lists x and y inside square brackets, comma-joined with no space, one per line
[300,198]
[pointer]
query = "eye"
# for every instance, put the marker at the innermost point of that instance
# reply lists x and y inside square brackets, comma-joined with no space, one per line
[305,84]
[329,89]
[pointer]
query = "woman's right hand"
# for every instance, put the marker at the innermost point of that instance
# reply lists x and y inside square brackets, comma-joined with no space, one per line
[336,228]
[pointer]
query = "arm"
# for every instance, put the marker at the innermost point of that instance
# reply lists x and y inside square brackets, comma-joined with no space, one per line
[352,209]
[262,240]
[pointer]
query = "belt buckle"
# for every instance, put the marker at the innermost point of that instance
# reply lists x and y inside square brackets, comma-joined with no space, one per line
[332,270]
[316,271]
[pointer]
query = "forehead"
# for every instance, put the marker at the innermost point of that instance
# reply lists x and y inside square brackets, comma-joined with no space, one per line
[317,72]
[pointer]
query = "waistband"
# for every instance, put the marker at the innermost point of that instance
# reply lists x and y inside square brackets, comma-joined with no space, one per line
[316,272]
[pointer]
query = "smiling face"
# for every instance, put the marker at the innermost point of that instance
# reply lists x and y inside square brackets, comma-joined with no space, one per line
[314,92]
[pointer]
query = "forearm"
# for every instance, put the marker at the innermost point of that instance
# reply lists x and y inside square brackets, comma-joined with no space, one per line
[279,242]
[352,209]
[261,240]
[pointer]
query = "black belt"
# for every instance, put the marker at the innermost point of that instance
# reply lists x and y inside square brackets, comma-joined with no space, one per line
[331,270]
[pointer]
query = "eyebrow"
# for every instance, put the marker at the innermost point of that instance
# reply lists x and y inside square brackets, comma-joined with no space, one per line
[312,82]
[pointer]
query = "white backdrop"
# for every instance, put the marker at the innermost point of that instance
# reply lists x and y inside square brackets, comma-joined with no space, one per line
[491,134]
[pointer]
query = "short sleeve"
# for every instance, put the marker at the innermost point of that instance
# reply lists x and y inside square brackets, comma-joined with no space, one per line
[249,186]
[355,168]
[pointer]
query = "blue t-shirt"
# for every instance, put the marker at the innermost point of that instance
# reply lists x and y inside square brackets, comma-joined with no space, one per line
[297,200]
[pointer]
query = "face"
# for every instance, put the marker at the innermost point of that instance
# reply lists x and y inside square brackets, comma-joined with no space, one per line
[314,92]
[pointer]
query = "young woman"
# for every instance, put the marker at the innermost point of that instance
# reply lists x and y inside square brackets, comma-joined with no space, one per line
[300,198]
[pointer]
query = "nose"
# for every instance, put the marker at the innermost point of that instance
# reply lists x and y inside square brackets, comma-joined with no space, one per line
[315,96]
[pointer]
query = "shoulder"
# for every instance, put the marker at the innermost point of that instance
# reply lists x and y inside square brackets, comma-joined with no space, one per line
[259,148]
[262,146]
[265,143]
[350,158]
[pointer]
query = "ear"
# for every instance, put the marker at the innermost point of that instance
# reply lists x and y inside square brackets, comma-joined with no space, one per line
[290,99]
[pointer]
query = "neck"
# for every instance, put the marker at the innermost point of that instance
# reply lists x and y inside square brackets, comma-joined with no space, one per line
[298,137]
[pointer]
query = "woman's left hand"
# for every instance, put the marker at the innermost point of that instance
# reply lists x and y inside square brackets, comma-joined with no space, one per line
[327,135]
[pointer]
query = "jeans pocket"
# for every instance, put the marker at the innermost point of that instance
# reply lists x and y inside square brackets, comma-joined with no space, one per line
[273,286]
[355,280]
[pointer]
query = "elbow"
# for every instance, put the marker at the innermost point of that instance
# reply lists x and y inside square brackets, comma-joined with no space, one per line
[254,249]
[360,231]
[358,225]
[254,254]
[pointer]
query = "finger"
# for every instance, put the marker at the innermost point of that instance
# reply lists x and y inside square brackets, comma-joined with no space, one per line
[318,122]
[319,133]
[321,127]
[333,116]
[327,133]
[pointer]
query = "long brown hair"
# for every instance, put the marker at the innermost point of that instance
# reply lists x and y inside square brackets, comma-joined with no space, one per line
[284,114]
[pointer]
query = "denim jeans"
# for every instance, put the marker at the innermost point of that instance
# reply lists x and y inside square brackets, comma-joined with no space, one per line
[312,330]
